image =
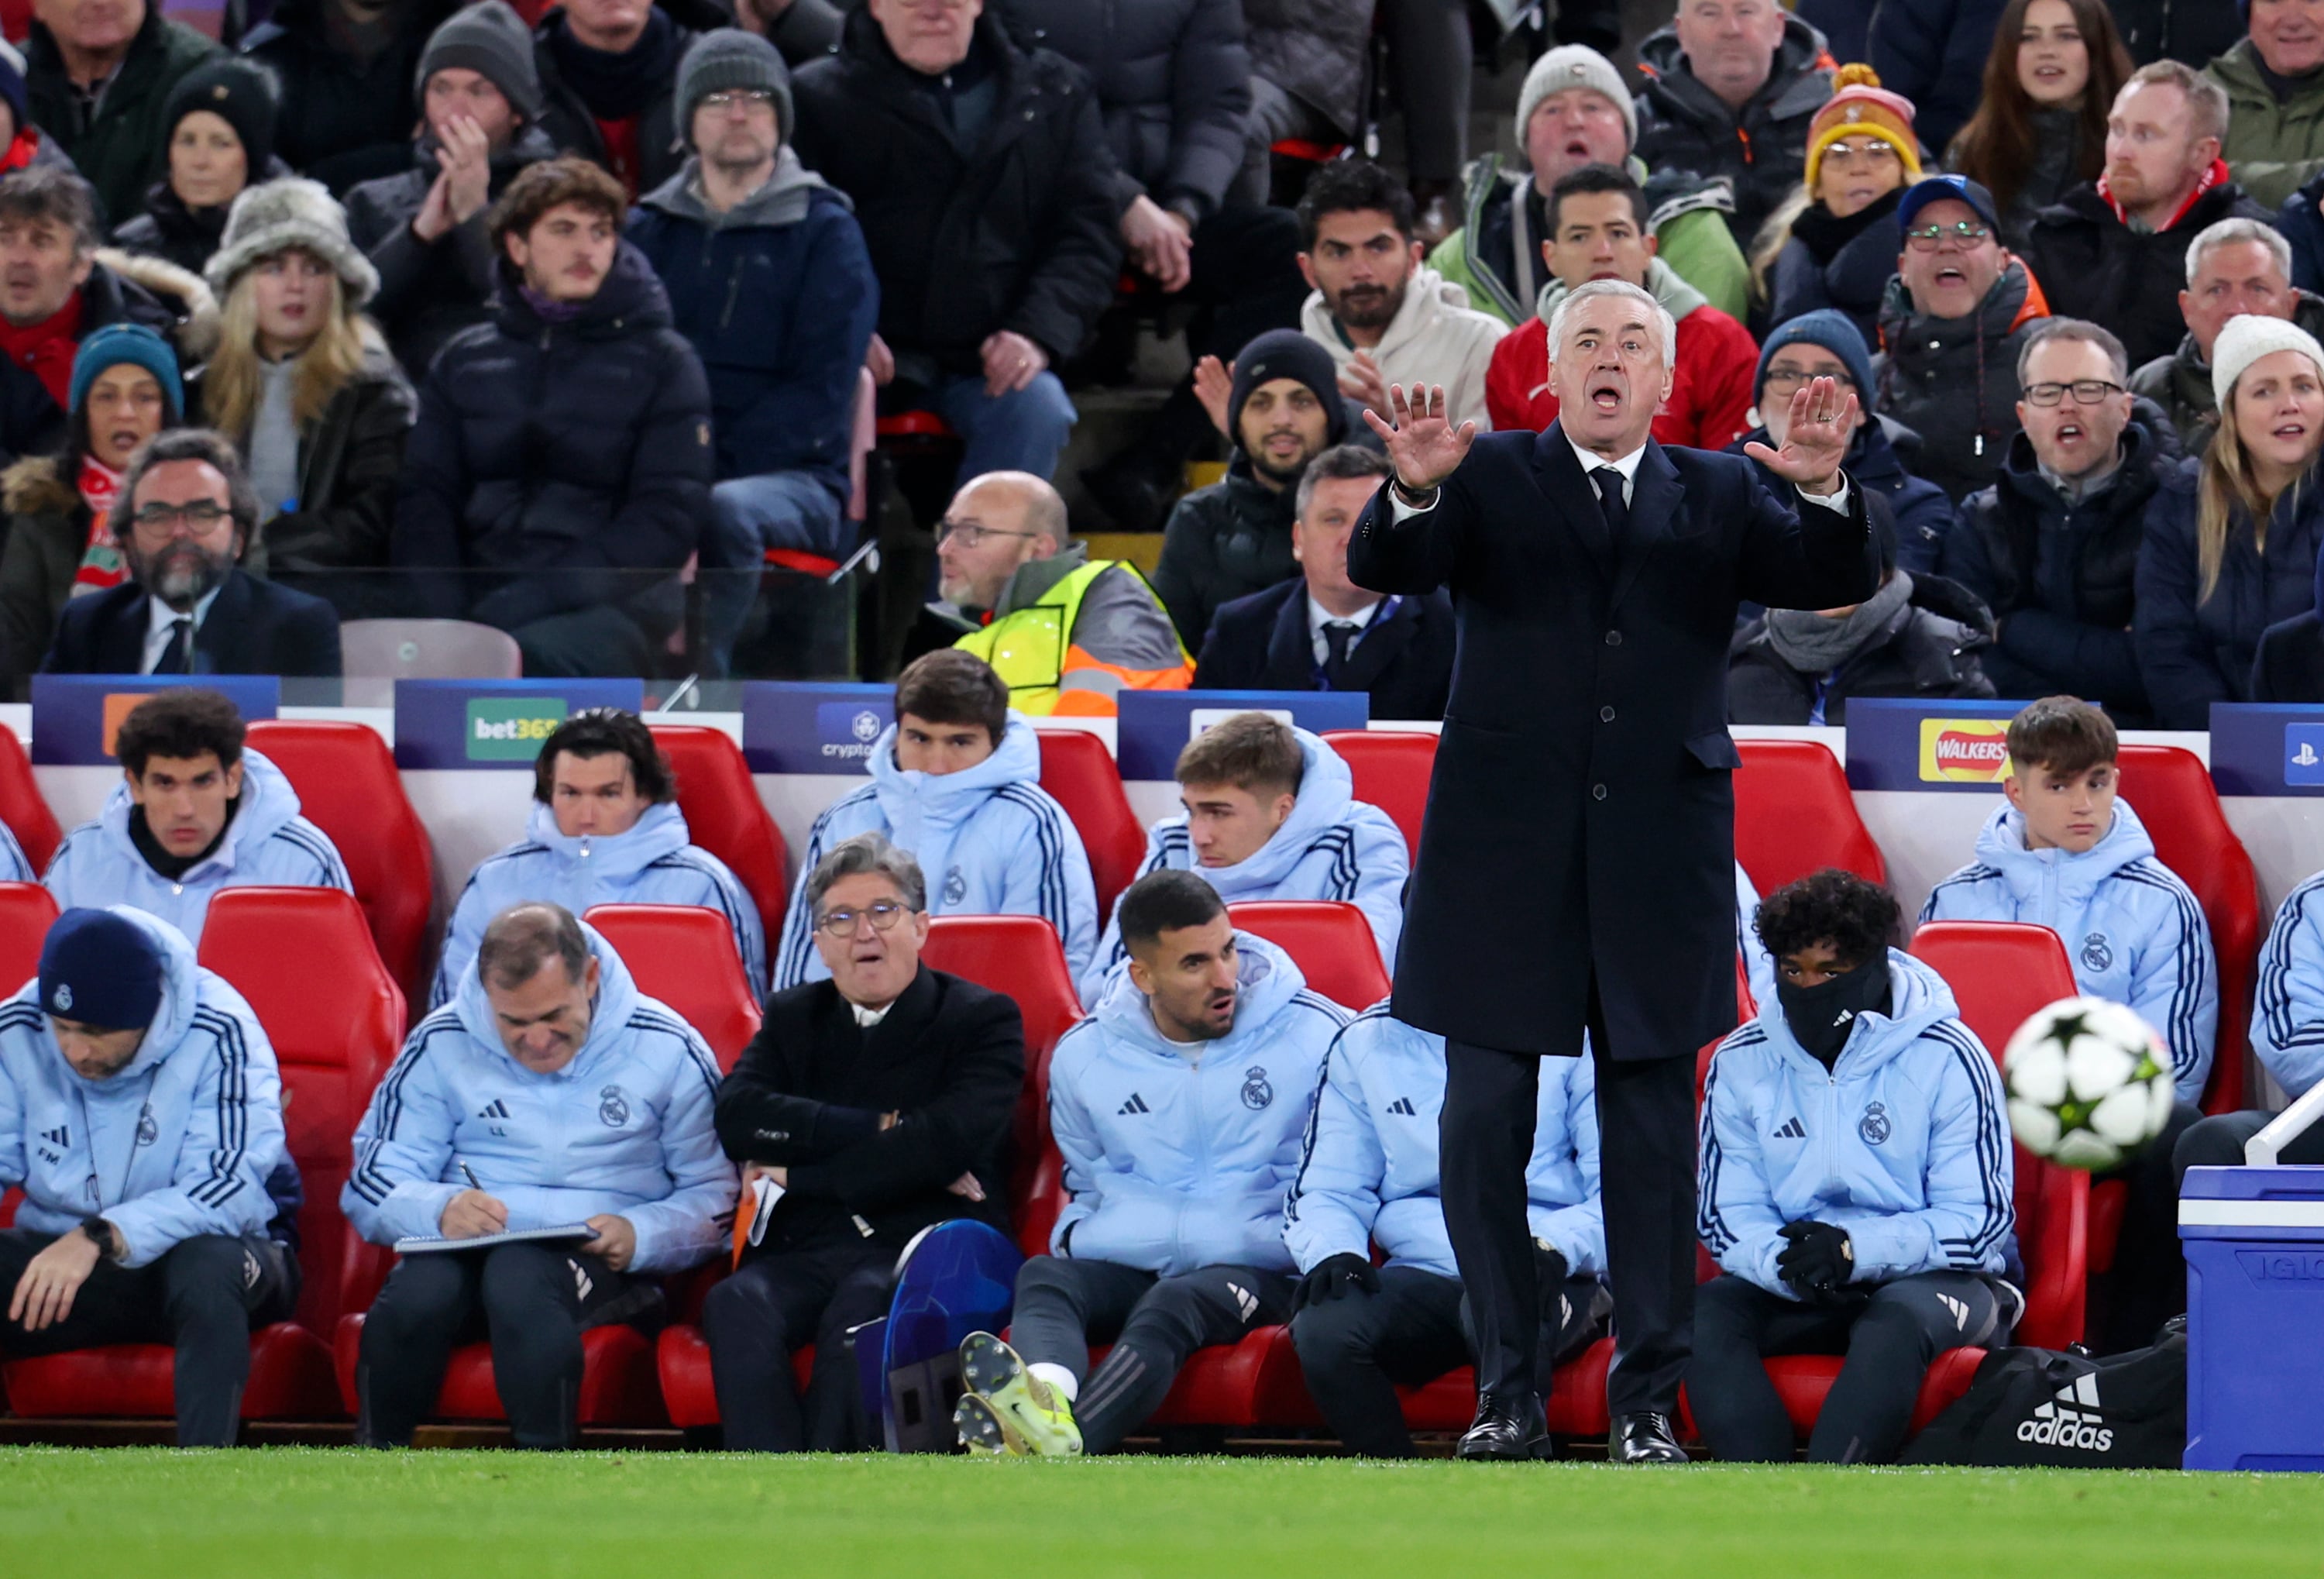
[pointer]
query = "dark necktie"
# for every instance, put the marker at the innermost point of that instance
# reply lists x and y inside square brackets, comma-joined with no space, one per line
[1617,509]
[1337,635]
[177,658]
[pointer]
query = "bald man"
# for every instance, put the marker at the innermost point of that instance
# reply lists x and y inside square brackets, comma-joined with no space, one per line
[1007,567]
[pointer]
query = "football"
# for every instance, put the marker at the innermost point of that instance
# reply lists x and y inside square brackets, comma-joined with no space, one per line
[2090,1084]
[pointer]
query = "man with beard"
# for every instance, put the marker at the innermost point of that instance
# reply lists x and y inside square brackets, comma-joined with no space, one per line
[187,512]
[1384,315]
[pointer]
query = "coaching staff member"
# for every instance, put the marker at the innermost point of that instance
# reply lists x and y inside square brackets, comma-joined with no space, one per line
[1581,799]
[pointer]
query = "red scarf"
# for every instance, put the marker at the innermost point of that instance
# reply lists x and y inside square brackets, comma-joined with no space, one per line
[46,349]
[20,151]
[2211,178]
[101,565]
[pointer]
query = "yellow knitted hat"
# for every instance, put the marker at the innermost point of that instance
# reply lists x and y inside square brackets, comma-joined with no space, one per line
[1860,106]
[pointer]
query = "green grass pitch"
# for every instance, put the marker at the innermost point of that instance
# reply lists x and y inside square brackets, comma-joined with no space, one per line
[466,1515]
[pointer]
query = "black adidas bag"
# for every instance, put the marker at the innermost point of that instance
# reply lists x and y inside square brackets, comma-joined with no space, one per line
[2042,1406]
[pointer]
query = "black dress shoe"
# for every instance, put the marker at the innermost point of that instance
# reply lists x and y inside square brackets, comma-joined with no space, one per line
[1645,1438]
[1505,1428]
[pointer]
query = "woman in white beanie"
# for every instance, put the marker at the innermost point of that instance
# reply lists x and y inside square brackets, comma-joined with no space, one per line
[304,386]
[2231,541]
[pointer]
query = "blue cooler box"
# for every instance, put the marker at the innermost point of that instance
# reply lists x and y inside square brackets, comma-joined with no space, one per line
[2255,1241]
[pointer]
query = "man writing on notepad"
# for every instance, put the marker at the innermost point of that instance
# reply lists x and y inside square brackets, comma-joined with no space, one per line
[548,1092]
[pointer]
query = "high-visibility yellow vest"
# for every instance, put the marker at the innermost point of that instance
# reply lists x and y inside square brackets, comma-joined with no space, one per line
[1031,650]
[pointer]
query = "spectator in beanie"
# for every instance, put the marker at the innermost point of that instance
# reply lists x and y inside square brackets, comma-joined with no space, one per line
[219,138]
[303,385]
[60,542]
[424,229]
[98,74]
[1833,244]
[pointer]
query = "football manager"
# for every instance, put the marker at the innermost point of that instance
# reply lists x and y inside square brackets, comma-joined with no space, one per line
[1576,864]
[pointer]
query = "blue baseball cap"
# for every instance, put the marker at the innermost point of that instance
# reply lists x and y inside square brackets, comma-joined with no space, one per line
[1936,188]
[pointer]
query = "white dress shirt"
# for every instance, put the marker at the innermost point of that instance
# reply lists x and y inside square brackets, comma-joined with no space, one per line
[160,619]
[1628,466]
[868,1017]
[1318,616]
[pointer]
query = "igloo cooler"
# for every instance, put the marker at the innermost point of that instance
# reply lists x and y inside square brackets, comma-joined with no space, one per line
[2254,1243]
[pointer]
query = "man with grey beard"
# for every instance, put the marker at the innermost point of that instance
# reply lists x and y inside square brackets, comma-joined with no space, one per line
[186,514]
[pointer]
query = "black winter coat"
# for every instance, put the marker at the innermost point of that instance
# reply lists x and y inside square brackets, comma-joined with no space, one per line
[175,234]
[1016,234]
[2120,278]
[575,458]
[430,292]
[1927,651]
[565,116]
[2192,31]
[1841,264]
[1173,78]
[1932,51]
[118,150]
[1313,49]
[1954,381]
[1762,151]
[343,121]
[2290,667]
[808,1094]
[1221,542]
[2061,579]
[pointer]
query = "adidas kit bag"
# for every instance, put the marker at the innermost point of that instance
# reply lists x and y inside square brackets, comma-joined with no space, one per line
[2045,1406]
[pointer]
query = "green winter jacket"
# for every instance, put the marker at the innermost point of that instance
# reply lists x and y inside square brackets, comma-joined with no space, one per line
[1687,221]
[119,148]
[2273,148]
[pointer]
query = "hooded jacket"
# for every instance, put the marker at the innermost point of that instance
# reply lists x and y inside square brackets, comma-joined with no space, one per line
[2287,1025]
[572,458]
[1954,380]
[1180,1157]
[2179,381]
[1711,369]
[2276,146]
[1762,149]
[266,843]
[653,863]
[1435,337]
[1758,964]
[626,1128]
[1368,1168]
[2060,576]
[1223,541]
[2133,928]
[1333,847]
[177,1145]
[2195,651]
[778,297]
[1902,1142]
[989,838]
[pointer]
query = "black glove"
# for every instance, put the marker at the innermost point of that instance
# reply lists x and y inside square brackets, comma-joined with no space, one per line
[1818,1261]
[1333,1276]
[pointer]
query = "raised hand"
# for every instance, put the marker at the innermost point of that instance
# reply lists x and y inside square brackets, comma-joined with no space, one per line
[1423,444]
[1822,424]
[1215,388]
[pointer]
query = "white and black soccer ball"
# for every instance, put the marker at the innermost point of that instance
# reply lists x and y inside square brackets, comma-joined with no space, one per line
[2089,1083]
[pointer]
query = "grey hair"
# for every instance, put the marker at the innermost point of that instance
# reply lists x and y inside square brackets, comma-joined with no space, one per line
[202,444]
[1665,326]
[2229,232]
[2074,328]
[867,856]
[1341,463]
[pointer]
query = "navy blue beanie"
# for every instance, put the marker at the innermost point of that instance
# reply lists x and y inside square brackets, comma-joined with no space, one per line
[12,88]
[1834,331]
[101,969]
[1287,354]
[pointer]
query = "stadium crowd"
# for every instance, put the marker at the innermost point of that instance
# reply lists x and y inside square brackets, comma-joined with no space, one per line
[555,323]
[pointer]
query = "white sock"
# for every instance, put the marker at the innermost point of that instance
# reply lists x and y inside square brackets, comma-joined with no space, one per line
[1058,1377]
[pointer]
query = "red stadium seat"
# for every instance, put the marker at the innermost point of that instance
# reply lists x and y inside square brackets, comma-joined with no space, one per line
[28,815]
[2179,805]
[26,912]
[618,1384]
[725,817]
[1080,775]
[682,1360]
[1794,815]
[1330,940]
[348,787]
[1020,956]
[1391,768]
[684,955]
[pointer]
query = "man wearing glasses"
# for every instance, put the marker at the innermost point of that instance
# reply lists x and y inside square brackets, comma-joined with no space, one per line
[870,1106]
[1066,632]
[1952,323]
[187,514]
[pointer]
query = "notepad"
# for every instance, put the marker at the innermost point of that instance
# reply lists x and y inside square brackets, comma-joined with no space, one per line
[563,1233]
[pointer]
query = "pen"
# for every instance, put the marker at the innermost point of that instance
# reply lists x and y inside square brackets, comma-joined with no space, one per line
[470,1175]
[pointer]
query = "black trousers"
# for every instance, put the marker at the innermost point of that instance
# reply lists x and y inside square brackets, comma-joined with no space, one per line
[2218,1142]
[204,1296]
[2146,1285]
[1064,1305]
[1889,1339]
[1645,1114]
[757,1319]
[532,1301]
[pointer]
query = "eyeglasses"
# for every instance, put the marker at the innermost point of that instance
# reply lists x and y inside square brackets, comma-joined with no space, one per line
[200,517]
[883,915]
[971,534]
[2088,392]
[1967,232]
[735,98]
[1876,149]
[1781,379]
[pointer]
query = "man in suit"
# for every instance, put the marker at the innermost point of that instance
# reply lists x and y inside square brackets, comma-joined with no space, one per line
[1320,632]
[1581,800]
[875,1103]
[187,514]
